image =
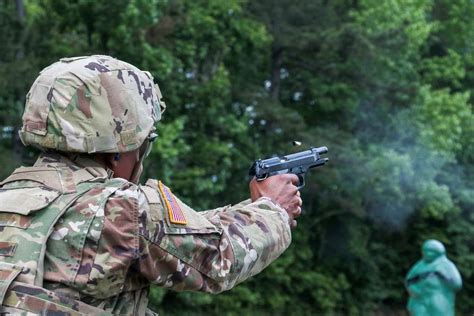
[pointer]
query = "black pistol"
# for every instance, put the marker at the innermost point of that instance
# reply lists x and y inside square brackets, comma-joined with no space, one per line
[297,163]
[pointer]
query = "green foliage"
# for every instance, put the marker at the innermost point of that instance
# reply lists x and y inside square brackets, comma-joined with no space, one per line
[386,85]
[443,116]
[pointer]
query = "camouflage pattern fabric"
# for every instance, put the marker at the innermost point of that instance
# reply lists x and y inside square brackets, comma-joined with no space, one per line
[118,238]
[91,104]
[24,299]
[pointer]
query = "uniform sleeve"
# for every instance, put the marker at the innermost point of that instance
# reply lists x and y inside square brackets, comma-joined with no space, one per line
[209,251]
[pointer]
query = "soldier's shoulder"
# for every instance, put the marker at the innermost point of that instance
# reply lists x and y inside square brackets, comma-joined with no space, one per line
[110,194]
[123,187]
[150,207]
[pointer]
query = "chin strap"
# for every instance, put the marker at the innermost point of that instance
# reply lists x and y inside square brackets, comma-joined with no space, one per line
[137,172]
[145,150]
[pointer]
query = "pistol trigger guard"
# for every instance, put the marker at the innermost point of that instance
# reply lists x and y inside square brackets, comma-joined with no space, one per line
[301,182]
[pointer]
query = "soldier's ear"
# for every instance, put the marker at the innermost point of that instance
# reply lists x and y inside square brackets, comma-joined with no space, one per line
[113,160]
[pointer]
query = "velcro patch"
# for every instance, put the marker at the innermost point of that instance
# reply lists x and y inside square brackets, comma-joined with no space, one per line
[15,220]
[129,137]
[7,249]
[175,214]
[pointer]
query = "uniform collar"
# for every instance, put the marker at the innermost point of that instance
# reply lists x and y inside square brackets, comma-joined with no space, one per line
[74,162]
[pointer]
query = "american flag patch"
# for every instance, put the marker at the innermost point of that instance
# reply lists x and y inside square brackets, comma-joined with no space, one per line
[175,214]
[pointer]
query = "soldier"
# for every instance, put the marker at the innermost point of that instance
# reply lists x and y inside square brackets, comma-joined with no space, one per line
[78,235]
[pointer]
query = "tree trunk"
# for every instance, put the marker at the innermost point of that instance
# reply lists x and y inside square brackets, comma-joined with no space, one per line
[277,59]
[20,10]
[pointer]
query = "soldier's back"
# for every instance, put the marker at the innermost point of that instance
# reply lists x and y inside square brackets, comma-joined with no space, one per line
[72,233]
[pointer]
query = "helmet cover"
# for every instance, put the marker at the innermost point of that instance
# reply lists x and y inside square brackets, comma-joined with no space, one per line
[91,104]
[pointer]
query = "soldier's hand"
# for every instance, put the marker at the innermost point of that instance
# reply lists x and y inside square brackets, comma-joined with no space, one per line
[283,190]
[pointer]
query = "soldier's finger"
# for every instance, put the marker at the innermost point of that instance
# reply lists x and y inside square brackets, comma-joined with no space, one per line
[297,212]
[289,178]
[294,189]
[297,201]
[293,178]
[293,224]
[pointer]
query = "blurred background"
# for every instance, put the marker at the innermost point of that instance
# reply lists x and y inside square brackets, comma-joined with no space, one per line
[387,85]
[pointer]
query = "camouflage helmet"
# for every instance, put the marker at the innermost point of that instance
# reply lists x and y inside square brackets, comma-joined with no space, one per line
[91,104]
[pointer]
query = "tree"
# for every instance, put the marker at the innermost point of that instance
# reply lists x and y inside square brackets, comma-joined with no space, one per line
[386,85]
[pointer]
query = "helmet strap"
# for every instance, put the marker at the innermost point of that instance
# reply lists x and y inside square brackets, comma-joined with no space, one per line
[138,169]
[137,172]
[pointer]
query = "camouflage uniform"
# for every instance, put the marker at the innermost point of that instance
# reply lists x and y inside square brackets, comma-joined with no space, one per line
[75,240]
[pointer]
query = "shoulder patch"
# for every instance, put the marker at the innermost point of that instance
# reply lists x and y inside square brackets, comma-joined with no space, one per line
[176,215]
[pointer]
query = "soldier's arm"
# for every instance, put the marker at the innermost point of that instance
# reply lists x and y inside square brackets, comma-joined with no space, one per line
[208,251]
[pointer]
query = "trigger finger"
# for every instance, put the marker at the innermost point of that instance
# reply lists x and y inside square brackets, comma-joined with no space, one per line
[294,179]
